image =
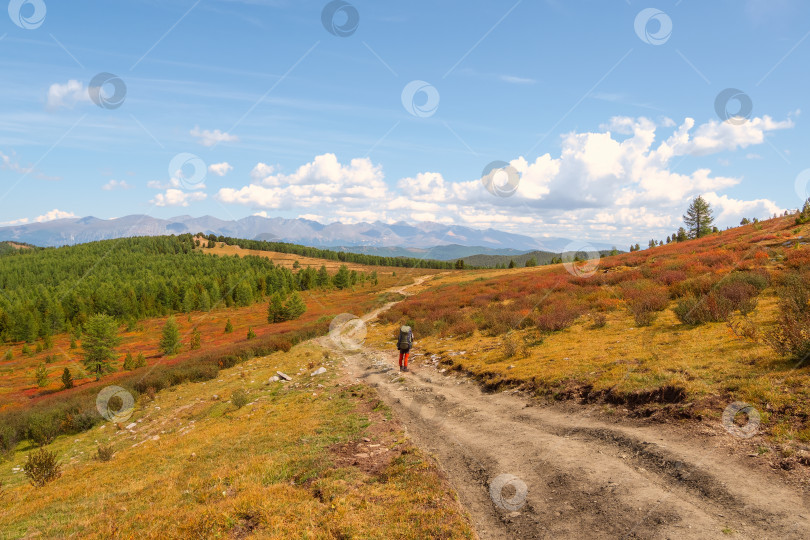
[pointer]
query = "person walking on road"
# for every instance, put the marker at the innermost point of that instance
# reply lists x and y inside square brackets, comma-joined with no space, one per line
[404,344]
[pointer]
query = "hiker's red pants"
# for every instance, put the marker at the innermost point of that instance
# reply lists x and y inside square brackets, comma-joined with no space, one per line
[403,358]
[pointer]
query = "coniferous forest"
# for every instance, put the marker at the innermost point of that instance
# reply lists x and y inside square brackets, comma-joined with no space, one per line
[47,291]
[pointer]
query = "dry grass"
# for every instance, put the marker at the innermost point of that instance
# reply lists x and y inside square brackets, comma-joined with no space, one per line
[196,467]
[665,368]
[287,260]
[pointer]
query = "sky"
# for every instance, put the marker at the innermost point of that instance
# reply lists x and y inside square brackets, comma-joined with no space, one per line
[592,120]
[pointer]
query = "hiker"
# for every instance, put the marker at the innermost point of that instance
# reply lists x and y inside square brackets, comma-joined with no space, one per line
[404,344]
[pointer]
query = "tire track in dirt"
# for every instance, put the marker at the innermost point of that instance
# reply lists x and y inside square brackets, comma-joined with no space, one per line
[583,477]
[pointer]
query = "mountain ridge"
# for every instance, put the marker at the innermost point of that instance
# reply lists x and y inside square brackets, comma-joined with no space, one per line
[351,237]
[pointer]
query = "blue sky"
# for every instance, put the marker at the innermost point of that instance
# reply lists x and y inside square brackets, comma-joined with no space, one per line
[610,131]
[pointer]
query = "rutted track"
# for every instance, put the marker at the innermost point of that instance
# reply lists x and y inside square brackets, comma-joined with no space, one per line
[584,478]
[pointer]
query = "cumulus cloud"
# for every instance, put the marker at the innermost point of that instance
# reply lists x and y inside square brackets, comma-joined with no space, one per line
[211,138]
[67,95]
[54,214]
[176,197]
[115,184]
[619,179]
[220,169]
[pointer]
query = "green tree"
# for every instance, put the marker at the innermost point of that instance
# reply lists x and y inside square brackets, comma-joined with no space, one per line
[251,334]
[67,379]
[170,339]
[98,344]
[745,221]
[531,262]
[196,339]
[682,235]
[341,280]
[275,310]
[42,376]
[698,218]
[459,264]
[129,363]
[228,327]
[512,263]
[140,361]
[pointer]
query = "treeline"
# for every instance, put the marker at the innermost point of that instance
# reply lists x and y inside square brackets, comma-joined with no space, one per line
[48,291]
[328,254]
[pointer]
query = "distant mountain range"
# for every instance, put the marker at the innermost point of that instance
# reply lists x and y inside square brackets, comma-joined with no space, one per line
[431,240]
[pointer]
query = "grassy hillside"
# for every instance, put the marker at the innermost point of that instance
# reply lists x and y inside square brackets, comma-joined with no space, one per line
[316,457]
[679,331]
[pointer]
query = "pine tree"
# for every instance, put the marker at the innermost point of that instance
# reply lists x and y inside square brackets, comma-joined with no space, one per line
[170,340]
[100,340]
[682,236]
[342,279]
[531,262]
[745,221]
[196,339]
[511,263]
[129,363]
[294,306]
[275,311]
[638,247]
[140,361]
[228,327]
[67,379]
[251,334]
[698,218]
[42,376]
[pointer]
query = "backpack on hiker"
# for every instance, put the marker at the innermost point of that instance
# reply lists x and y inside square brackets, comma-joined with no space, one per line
[405,340]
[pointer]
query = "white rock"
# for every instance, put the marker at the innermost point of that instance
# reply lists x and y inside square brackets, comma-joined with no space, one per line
[284,376]
[320,371]
[132,425]
[274,378]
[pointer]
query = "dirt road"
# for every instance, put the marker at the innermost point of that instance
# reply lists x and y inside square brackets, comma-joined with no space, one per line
[525,471]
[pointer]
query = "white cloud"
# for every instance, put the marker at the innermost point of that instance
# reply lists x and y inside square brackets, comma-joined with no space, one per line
[115,184]
[176,197]
[212,138]
[220,169]
[54,214]
[67,95]
[260,214]
[619,179]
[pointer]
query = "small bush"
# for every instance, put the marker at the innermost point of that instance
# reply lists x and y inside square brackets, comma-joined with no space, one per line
[239,398]
[510,347]
[598,320]
[791,337]
[104,452]
[42,467]
[463,328]
[558,316]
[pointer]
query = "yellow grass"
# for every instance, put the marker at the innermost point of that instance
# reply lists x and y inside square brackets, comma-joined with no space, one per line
[287,260]
[195,466]
[712,365]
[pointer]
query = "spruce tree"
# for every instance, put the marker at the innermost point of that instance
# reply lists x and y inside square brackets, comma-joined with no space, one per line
[99,342]
[67,379]
[170,340]
[698,218]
